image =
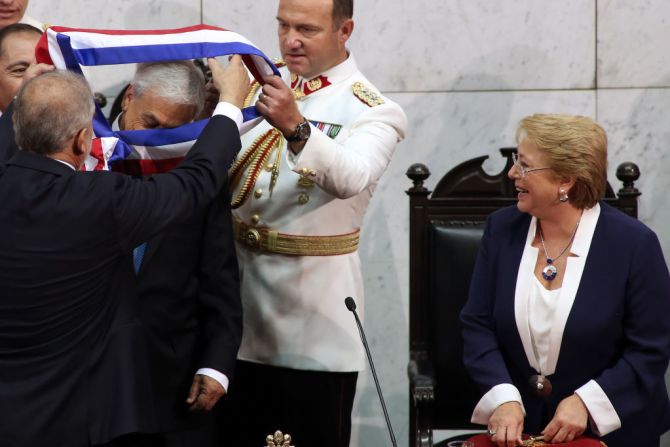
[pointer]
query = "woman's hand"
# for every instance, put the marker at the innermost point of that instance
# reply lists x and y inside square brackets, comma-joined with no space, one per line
[569,421]
[507,424]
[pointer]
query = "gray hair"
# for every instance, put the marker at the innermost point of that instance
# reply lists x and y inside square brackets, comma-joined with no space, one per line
[179,82]
[50,109]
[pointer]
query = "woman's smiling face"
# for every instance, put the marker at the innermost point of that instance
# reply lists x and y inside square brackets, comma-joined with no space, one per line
[538,189]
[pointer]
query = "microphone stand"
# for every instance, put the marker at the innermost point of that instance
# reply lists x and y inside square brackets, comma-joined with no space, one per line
[351,305]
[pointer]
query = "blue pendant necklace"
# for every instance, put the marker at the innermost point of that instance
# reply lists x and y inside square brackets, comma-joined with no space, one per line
[550,271]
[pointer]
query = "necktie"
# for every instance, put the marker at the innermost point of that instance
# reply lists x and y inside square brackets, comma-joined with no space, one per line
[138,256]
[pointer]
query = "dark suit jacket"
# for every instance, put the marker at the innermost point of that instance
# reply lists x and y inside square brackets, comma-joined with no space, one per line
[72,352]
[190,303]
[617,332]
[7,143]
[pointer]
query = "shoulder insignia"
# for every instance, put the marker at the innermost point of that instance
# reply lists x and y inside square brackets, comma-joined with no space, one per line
[255,86]
[366,95]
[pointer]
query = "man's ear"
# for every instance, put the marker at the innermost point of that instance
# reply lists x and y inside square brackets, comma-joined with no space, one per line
[128,96]
[345,31]
[81,144]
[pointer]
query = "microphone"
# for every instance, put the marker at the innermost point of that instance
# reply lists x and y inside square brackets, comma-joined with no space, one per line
[351,305]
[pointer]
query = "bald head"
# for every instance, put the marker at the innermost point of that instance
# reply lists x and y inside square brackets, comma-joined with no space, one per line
[50,110]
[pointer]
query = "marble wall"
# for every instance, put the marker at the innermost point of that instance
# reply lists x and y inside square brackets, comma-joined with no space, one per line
[465,71]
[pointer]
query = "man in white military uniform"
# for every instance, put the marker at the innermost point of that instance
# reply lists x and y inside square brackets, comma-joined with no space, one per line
[300,190]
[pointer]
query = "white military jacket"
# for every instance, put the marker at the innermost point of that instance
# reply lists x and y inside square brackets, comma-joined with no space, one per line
[294,312]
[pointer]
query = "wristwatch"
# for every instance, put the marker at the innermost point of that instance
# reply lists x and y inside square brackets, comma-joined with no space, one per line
[301,132]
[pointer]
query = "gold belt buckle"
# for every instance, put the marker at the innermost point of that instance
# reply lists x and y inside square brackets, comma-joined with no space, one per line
[252,238]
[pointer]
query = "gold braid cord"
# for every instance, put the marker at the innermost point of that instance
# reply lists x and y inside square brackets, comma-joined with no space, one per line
[254,159]
[252,93]
[255,85]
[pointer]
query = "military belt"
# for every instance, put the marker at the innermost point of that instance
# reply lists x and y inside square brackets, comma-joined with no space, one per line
[270,241]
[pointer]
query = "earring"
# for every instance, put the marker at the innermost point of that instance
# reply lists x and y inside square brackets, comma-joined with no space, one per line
[562,195]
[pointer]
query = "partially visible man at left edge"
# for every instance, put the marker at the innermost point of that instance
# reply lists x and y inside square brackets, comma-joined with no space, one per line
[17,52]
[72,358]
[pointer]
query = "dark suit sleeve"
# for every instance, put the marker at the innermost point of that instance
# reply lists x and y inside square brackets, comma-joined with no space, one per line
[8,145]
[640,370]
[481,351]
[219,304]
[143,208]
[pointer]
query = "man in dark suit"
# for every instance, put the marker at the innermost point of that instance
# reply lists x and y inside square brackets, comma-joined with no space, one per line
[188,277]
[73,359]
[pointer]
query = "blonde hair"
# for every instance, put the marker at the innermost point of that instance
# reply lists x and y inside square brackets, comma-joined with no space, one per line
[575,147]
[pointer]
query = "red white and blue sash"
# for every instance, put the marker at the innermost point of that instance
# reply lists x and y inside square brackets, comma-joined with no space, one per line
[155,150]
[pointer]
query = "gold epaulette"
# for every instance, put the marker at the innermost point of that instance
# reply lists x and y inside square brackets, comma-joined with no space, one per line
[367,95]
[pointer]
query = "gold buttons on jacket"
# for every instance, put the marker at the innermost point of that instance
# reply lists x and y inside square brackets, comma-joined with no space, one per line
[258,193]
[255,219]
[303,198]
[269,167]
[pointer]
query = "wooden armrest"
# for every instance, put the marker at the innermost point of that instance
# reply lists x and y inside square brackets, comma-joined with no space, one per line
[422,381]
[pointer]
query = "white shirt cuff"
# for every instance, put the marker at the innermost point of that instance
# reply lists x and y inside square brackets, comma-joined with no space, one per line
[602,415]
[498,395]
[214,374]
[231,111]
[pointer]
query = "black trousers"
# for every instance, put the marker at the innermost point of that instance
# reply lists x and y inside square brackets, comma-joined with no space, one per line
[314,407]
[202,435]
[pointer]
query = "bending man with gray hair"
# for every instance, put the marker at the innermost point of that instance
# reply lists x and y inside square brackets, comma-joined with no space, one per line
[74,368]
[162,95]
[187,276]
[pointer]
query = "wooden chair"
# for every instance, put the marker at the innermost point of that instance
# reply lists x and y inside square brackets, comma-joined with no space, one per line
[445,230]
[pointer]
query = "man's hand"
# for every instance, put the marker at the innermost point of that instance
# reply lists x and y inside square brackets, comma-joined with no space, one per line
[232,82]
[211,100]
[569,421]
[205,393]
[277,104]
[34,70]
[507,423]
